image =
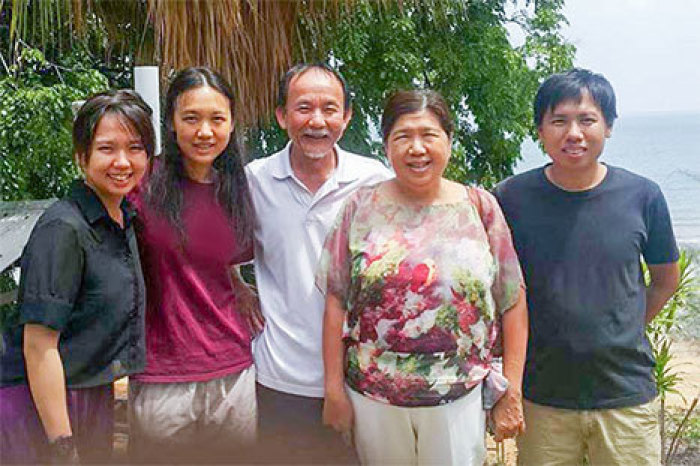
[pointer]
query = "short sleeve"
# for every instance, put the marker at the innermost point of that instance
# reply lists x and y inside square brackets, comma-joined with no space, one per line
[52,265]
[509,279]
[333,272]
[660,247]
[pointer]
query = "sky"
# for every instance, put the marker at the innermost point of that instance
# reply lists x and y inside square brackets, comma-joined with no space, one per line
[648,49]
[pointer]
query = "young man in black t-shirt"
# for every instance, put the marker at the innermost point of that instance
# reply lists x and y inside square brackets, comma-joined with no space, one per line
[580,228]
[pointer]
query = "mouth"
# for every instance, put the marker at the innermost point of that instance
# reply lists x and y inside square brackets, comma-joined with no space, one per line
[316,135]
[574,150]
[419,166]
[120,178]
[204,146]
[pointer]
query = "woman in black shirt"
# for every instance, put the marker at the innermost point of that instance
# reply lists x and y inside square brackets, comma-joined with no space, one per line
[81,297]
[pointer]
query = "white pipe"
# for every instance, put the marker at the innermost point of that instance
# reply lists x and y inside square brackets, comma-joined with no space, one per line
[147,84]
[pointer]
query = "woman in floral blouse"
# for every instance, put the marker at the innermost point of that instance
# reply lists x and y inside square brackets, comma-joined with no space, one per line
[423,289]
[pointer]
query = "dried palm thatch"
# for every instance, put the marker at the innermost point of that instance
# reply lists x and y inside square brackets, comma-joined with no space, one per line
[251,42]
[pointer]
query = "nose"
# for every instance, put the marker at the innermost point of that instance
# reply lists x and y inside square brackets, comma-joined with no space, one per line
[204,131]
[121,159]
[317,120]
[574,131]
[417,147]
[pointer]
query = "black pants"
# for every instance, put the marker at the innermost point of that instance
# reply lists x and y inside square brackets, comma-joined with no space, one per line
[291,432]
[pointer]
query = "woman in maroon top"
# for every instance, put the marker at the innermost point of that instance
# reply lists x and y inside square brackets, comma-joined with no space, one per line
[195,400]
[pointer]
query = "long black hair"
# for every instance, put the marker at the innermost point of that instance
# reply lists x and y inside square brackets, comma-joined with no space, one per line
[164,191]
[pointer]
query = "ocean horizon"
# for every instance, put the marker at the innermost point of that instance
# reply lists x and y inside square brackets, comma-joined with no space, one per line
[662,146]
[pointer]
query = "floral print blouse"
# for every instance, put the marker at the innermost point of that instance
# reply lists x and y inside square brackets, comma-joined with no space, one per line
[424,289]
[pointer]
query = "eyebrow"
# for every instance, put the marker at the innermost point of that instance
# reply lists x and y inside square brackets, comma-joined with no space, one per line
[199,110]
[110,140]
[417,128]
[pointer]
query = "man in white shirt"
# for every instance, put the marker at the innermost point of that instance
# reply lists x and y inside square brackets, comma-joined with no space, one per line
[298,193]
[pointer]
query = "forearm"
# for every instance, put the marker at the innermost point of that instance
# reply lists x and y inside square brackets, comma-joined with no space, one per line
[333,349]
[656,300]
[664,280]
[47,379]
[515,331]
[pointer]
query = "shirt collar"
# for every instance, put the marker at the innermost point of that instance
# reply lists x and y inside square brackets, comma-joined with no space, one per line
[283,167]
[91,206]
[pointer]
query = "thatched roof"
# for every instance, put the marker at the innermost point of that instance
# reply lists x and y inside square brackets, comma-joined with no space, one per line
[251,42]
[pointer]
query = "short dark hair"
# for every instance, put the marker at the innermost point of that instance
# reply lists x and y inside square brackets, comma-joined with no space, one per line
[301,68]
[404,102]
[570,85]
[127,105]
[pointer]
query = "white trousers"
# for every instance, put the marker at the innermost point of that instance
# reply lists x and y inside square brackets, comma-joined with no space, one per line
[217,413]
[451,434]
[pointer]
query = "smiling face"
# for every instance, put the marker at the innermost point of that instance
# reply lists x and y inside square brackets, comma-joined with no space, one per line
[314,115]
[419,149]
[116,162]
[202,123]
[573,134]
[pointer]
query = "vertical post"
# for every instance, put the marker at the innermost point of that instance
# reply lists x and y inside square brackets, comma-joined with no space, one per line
[147,84]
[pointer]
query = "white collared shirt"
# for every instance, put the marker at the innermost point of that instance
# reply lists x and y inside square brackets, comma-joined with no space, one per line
[291,228]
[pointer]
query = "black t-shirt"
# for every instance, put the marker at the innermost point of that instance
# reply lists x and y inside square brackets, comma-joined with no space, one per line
[580,254]
[81,275]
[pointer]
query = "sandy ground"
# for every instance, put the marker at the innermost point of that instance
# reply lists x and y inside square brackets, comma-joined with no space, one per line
[686,363]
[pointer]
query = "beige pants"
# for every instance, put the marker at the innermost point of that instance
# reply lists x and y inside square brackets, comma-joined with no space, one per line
[451,434]
[169,420]
[621,436]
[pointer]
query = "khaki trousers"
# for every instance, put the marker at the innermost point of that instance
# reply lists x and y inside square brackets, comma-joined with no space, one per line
[620,436]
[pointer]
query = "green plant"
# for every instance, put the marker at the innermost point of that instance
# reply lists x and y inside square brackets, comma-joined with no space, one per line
[659,332]
[35,122]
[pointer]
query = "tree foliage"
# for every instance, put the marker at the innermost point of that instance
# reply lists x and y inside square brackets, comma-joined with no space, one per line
[461,49]
[35,120]
[458,47]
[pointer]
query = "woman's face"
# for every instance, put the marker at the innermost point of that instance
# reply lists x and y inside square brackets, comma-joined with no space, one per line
[203,123]
[418,149]
[117,159]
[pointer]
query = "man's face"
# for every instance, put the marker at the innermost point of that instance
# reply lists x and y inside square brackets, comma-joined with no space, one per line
[573,133]
[314,116]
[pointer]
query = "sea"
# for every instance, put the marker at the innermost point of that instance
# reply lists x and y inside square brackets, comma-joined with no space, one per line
[664,147]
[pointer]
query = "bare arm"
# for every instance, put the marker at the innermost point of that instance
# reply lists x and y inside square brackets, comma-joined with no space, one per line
[46,379]
[664,280]
[515,329]
[248,303]
[508,413]
[337,410]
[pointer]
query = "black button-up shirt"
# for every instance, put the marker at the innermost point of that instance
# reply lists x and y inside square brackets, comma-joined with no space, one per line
[81,275]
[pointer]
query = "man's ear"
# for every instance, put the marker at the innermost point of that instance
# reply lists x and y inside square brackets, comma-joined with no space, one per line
[608,131]
[281,115]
